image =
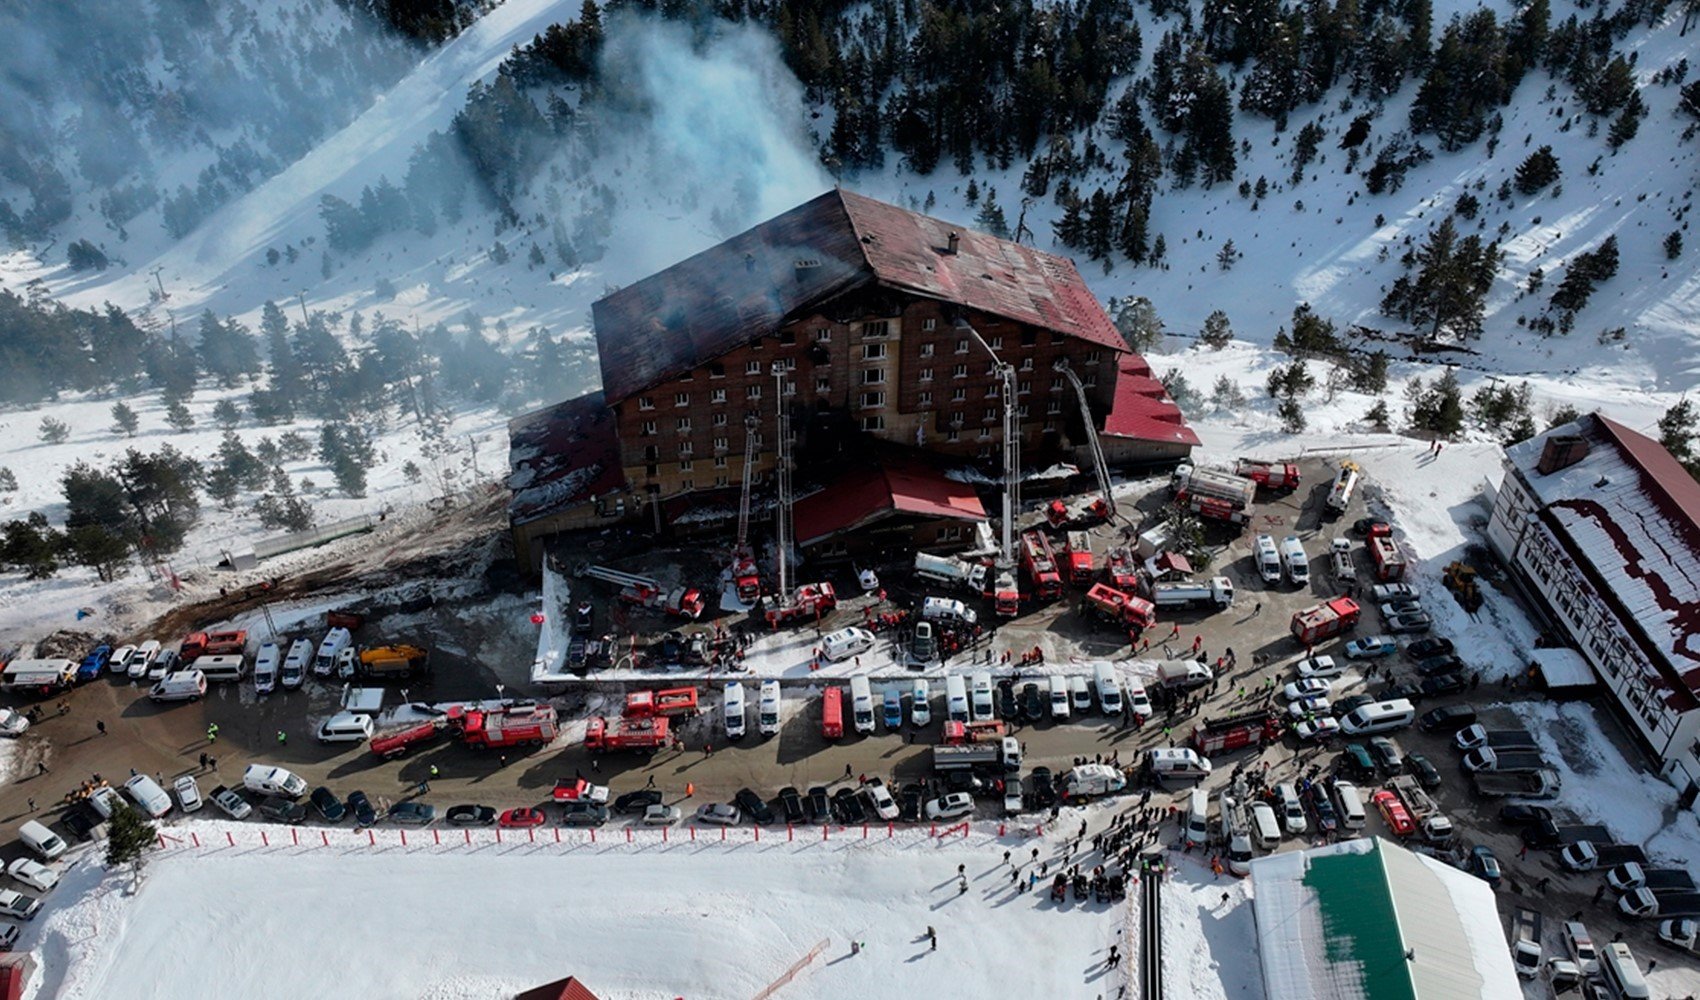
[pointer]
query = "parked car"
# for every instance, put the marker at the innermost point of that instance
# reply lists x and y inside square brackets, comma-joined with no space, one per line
[847,806]
[33,874]
[282,810]
[413,813]
[231,803]
[1422,649]
[953,806]
[470,815]
[1402,691]
[119,661]
[659,815]
[521,818]
[188,793]
[1356,761]
[327,805]
[1308,707]
[1393,592]
[1321,666]
[1291,809]
[1445,685]
[791,804]
[361,807]
[15,904]
[1523,814]
[1321,809]
[752,806]
[1034,708]
[638,801]
[1319,730]
[880,798]
[717,814]
[1410,621]
[1445,663]
[1007,707]
[910,802]
[1400,606]
[1484,865]
[1044,788]
[819,805]
[583,812]
[1423,769]
[1386,754]
[579,790]
[1369,525]
[1446,719]
[13,723]
[1310,687]
[1371,647]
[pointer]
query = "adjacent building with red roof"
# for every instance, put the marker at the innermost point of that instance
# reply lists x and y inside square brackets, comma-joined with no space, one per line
[860,317]
[1603,525]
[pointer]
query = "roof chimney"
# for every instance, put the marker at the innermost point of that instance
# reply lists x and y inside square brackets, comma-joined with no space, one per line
[1561,451]
[951,243]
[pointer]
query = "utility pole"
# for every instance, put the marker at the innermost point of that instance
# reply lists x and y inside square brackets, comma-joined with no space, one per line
[155,272]
[302,296]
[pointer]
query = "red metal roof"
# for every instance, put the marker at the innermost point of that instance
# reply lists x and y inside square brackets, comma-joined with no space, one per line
[1142,408]
[562,455]
[744,288]
[899,483]
[562,989]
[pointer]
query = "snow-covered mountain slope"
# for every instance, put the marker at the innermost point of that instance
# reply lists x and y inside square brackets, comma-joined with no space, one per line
[1318,241]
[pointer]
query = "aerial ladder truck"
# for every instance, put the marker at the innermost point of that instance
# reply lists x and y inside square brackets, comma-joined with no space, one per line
[1103,508]
[1006,595]
[746,579]
[646,592]
[811,601]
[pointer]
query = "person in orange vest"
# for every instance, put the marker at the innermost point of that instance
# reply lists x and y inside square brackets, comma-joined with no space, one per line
[690,789]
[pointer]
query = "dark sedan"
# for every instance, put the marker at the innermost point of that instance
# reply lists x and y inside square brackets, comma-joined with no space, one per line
[791,804]
[1407,691]
[361,807]
[1007,706]
[1443,664]
[819,805]
[1033,707]
[1519,814]
[638,801]
[847,806]
[753,807]
[327,805]
[1423,769]
[1445,684]
[582,813]
[470,815]
[1422,649]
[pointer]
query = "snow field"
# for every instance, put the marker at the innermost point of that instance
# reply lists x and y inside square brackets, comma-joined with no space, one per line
[686,919]
[1209,945]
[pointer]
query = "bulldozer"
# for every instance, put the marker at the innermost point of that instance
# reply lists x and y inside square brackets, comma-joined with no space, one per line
[1460,578]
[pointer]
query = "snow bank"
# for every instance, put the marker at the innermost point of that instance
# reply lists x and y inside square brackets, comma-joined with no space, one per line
[1209,944]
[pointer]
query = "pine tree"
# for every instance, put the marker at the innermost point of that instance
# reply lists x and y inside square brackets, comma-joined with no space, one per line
[32,546]
[129,838]
[8,480]
[99,549]
[1450,284]
[227,413]
[1676,433]
[177,414]
[1673,244]
[282,508]
[1538,170]
[54,430]
[124,419]
[1226,256]
[1217,333]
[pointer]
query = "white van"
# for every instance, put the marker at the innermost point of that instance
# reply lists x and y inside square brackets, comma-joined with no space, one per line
[956,698]
[225,667]
[1179,763]
[1109,689]
[22,675]
[44,842]
[1350,804]
[734,706]
[266,663]
[184,685]
[861,704]
[1264,829]
[1137,700]
[948,609]
[1268,559]
[921,703]
[767,713]
[1380,717]
[346,727]
[846,643]
[1340,494]
[296,664]
[142,659]
[148,796]
[268,780]
[1079,694]
[335,641]
[1059,696]
[1298,565]
[105,800]
[980,697]
[1621,973]
[1198,818]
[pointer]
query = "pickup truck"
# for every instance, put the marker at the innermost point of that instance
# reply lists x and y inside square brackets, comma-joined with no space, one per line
[1548,834]
[1503,761]
[1649,903]
[1542,784]
[1589,855]
[1636,875]
[1477,735]
[1526,942]
[232,803]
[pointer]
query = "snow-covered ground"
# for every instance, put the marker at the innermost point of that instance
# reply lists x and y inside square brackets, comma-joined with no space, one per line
[1209,934]
[652,919]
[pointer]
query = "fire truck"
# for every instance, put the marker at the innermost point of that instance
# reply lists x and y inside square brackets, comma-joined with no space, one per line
[645,735]
[1281,476]
[988,731]
[1388,557]
[1041,565]
[681,602]
[1121,569]
[1077,558]
[1118,608]
[500,728]
[1214,493]
[810,602]
[669,701]
[1236,732]
[399,742]
[1324,620]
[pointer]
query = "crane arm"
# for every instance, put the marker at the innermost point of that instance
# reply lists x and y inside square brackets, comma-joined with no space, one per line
[1099,466]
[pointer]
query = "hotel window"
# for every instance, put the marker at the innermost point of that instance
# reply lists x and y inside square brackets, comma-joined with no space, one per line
[721,444]
[685,449]
[871,400]
[1056,384]
[928,324]
[681,399]
[1093,357]
[962,345]
[823,335]
[997,343]
[873,352]
[718,420]
[1023,388]
[823,386]
[953,435]
[752,368]
[646,402]
[716,370]
[687,484]
[991,415]
[651,453]
[752,391]
[787,337]
[992,391]
[720,463]
[719,481]
[1090,381]
[873,423]
[958,395]
[1054,406]
[925,399]
[682,425]
[926,350]
[717,396]
[1027,364]
[926,375]
[876,328]
[647,429]
[873,376]
[1021,411]
[1029,338]
[684,465]
[956,418]
[960,371]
